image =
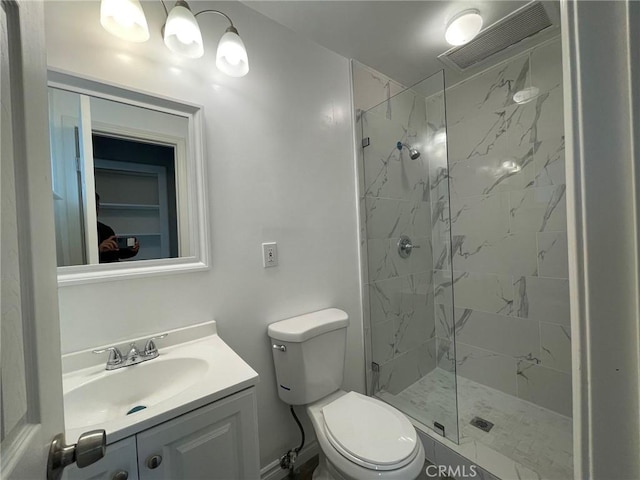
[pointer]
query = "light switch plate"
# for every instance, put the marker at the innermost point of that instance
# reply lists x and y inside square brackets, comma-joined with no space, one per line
[269,254]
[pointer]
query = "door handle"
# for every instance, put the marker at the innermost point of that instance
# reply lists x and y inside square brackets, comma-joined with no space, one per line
[90,448]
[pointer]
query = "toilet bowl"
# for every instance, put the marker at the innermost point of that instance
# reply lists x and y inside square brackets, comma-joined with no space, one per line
[360,437]
[364,438]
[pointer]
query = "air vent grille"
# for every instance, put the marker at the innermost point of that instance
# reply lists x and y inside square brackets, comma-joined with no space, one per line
[523,23]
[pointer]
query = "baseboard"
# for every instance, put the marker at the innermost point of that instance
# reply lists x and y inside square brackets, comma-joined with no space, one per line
[273,470]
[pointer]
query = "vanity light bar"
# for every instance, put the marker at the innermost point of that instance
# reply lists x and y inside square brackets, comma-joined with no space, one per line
[181,32]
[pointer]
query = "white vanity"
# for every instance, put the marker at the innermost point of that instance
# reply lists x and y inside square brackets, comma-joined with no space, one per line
[195,413]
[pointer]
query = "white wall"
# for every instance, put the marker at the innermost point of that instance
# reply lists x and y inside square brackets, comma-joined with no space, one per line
[602,101]
[280,168]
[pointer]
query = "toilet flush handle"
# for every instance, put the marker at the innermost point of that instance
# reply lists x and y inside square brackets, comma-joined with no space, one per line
[282,348]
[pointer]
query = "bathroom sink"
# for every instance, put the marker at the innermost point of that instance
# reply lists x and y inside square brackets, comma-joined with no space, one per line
[195,368]
[114,394]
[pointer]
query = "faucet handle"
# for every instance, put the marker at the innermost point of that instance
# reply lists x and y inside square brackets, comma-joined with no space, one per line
[133,352]
[150,347]
[115,357]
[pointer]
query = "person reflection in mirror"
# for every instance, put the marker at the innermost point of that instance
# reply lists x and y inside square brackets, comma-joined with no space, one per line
[108,249]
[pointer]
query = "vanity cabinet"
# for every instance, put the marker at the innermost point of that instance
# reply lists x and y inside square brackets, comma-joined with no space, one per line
[216,442]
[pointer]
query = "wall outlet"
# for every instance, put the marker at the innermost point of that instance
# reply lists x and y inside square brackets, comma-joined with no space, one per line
[269,254]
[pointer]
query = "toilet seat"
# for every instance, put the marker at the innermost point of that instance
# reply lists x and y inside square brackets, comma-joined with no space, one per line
[370,433]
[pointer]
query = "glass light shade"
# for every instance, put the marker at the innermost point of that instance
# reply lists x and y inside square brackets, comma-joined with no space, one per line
[231,57]
[463,27]
[124,19]
[182,34]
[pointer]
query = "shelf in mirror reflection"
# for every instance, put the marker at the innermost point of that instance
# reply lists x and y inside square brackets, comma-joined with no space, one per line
[127,206]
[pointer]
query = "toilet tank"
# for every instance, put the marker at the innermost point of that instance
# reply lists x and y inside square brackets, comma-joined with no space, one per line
[308,353]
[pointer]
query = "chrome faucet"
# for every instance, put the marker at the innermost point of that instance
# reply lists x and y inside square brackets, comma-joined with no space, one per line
[116,360]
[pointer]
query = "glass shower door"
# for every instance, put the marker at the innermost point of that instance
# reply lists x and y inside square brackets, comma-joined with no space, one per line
[408,269]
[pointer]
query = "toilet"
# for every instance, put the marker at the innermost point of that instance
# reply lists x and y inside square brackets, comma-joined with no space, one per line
[360,437]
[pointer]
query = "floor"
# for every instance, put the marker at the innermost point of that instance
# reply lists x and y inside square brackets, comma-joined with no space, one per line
[305,471]
[532,436]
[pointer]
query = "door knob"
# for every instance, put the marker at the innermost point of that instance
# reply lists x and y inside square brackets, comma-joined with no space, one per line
[90,448]
[154,461]
[121,475]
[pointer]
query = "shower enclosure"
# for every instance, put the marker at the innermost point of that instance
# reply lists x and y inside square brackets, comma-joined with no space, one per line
[467,292]
[405,197]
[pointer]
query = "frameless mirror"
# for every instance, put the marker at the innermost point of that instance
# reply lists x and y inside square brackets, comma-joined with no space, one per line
[127,181]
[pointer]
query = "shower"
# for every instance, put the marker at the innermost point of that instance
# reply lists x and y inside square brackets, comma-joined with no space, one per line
[413,153]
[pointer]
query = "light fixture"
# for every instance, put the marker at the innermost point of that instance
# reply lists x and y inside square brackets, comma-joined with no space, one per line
[182,36]
[182,32]
[231,56]
[463,27]
[124,19]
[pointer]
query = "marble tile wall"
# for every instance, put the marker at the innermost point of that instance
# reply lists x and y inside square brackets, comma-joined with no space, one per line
[508,230]
[394,200]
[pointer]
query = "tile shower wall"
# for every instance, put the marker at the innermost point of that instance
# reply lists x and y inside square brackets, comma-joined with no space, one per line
[394,201]
[508,226]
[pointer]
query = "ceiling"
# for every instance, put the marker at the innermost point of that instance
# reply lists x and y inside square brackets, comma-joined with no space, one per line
[401,39]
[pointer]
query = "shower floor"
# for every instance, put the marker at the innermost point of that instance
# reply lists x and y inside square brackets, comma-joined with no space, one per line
[532,436]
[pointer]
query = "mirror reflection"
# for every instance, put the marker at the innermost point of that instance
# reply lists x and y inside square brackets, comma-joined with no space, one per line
[117,171]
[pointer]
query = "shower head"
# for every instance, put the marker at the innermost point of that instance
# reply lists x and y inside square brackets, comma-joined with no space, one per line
[413,153]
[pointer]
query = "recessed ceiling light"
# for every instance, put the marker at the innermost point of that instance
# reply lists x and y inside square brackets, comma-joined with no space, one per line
[463,27]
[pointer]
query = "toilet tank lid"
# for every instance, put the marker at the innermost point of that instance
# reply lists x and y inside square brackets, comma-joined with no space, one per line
[303,327]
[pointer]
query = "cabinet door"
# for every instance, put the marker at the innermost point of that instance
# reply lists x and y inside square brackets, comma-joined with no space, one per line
[217,442]
[119,463]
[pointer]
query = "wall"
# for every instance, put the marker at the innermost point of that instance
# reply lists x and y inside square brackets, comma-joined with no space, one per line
[279,150]
[509,225]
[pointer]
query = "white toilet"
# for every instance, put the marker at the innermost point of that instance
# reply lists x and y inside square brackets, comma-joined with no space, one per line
[360,437]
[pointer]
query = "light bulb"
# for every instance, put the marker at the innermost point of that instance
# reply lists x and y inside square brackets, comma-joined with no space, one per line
[185,36]
[231,57]
[124,19]
[182,34]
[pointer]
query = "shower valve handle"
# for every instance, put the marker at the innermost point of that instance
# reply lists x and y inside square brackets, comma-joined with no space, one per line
[405,247]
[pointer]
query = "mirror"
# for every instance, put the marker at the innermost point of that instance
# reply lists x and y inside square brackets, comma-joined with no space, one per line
[127,181]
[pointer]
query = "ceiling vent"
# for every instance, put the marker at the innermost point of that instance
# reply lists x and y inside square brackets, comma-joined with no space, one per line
[520,25]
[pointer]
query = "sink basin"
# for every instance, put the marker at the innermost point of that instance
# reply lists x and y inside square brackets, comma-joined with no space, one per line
[195,368]
[110,395]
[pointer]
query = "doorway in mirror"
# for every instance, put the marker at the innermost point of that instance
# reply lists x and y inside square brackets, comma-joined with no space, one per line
[136,184]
